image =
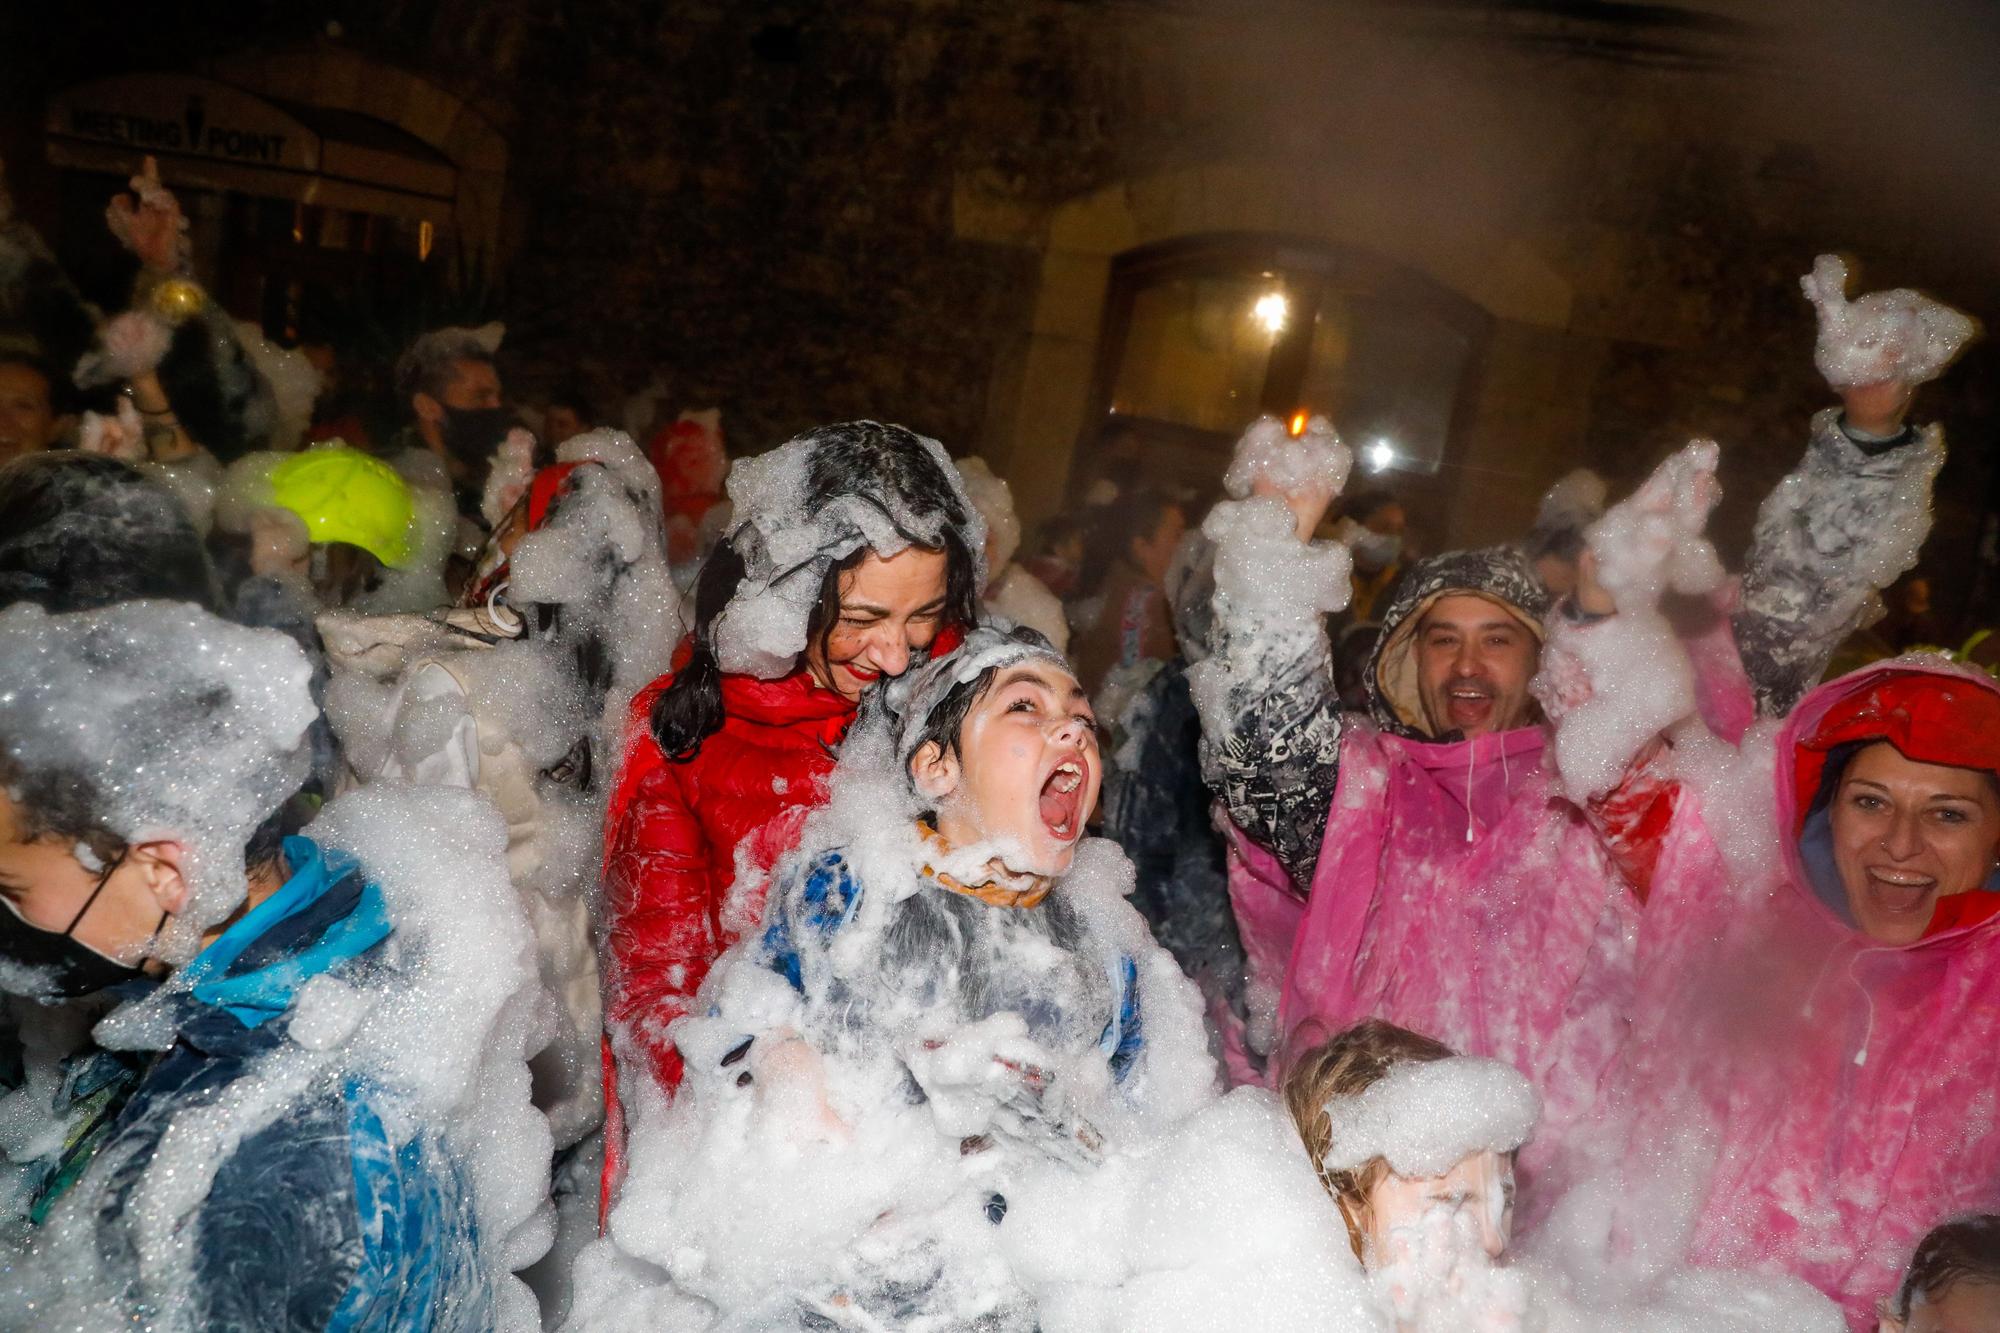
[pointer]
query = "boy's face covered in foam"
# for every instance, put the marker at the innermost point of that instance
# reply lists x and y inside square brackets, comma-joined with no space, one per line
[1027,770]
[1476,1195]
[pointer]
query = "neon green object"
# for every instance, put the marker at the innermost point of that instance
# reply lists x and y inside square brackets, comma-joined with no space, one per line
[344,495]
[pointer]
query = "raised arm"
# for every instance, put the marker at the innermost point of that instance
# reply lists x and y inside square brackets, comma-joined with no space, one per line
[1847,521]
[1617,680]
[1270,716]
[1854,514]
[1615,676]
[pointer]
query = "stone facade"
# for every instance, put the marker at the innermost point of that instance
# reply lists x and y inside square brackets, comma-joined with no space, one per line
[909,208]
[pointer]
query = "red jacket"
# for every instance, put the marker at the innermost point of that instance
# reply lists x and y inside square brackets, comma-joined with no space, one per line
[675,832]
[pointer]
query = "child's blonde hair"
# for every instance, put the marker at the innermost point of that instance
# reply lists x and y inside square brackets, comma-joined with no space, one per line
[1342,1066]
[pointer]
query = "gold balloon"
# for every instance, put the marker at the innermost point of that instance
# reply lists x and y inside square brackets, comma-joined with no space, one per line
[178,300]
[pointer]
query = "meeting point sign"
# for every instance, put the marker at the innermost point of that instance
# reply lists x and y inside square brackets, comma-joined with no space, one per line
[184,115]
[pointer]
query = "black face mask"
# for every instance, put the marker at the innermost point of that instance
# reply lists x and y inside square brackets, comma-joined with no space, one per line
[55,965]
[471,434]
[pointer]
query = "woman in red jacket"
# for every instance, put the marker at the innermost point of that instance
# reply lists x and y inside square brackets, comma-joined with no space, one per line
[854,550]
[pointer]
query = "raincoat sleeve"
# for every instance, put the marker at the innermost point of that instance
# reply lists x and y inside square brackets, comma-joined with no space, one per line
[659,936]
[293,1233]
[1844,524]
[1271,727]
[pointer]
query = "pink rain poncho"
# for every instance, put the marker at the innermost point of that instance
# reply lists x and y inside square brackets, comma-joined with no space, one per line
[1457,894]
[1847,1093]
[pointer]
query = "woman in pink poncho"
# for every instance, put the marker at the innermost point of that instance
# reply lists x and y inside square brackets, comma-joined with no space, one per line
[1812,1077]
[1825,1009]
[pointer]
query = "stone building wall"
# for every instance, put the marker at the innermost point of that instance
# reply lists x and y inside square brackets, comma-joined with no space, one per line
[906,208]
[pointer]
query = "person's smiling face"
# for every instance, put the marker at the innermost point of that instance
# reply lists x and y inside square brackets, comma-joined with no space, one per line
[1906,834]
[891,607]
[1474,662]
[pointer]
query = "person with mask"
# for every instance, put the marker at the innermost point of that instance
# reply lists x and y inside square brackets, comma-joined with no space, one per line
[855,552]
[1555,542]
[1372,529]
[1444,780]
[144,752]
[458,418]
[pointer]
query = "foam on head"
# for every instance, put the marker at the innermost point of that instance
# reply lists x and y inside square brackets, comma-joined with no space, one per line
[184,727]
[1893,335]
[1424,1117]
[795,521]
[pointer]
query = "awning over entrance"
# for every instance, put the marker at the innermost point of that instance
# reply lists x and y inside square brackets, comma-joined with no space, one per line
[210,135]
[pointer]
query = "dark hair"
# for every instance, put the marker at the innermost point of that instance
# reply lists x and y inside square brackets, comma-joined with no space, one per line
[887,466]
[65,803]
[1563,543]
[1133,518]
[946,719]
[57,385]
[1058,528]
[1962,1250]
[1364,505]
[81,531]
[221,399]
[431,362]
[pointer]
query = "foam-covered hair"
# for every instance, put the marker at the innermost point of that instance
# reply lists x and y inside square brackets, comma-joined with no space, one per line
[816,500]
[156,720]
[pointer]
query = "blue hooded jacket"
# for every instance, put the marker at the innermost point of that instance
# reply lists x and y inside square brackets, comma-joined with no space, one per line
[325,1218]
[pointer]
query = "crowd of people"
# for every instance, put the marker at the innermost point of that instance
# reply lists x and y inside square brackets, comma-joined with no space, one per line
[493,875]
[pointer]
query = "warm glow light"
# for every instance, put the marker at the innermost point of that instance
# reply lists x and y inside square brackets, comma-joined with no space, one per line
[1298,423]
[1380,455]
[1272,310]
[426,237]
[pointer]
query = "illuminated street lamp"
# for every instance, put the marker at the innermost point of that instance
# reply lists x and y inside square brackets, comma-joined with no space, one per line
[1272,310]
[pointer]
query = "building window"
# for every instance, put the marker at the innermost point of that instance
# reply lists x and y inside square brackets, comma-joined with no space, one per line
[1204,335]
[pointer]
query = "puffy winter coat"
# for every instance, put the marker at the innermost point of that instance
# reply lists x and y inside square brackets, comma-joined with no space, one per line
[330,1216]
[678,833]
[1854,1087]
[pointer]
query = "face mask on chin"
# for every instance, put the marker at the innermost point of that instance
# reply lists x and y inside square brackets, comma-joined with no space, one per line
[46,964]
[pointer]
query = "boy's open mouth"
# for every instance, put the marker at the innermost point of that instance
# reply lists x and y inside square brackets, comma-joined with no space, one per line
[1062,800]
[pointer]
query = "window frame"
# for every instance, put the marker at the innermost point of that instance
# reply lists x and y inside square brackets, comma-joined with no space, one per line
[1308,270]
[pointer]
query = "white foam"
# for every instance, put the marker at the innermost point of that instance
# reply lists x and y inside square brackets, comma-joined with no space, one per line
[1267,453]
[122,698]
[1896,335]
[1424,1117]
